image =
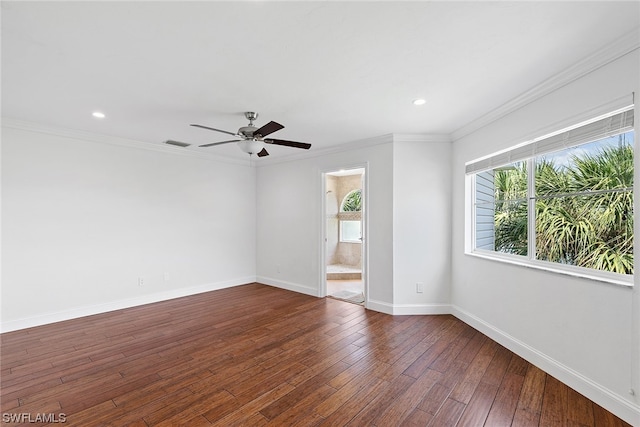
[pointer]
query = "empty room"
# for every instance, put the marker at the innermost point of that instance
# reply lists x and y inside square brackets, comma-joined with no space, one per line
[415,213]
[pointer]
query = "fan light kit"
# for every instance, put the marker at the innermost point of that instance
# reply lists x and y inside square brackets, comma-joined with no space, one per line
[251,146]
[251,139]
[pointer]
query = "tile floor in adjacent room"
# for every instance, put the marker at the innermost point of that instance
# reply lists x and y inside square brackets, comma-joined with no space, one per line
[337,287]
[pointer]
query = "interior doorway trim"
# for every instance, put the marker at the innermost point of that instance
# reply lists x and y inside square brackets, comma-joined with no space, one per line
[322,289]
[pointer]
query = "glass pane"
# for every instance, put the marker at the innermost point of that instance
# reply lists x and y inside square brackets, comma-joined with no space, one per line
[501,209]
[352,202]
[592,231]
[584,205]
[600,165]
[350,231]
[511,227]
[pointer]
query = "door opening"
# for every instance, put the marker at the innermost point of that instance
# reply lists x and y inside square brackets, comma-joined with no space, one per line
[344,238]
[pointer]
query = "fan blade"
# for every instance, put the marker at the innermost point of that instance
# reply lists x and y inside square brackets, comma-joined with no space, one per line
[288,143]
[263,153]
[267,129]
[219,143]
[217,130]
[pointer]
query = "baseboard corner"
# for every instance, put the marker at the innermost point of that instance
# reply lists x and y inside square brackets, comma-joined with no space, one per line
[613,402]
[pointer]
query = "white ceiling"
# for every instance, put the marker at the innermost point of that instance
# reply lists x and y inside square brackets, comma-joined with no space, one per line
[331,72]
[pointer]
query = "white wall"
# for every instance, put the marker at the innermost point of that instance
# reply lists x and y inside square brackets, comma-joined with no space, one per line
[407,199]
[82,220]
[581,331]
[289,206]
[421,225]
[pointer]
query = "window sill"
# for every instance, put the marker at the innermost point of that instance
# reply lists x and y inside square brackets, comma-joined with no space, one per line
[583,273]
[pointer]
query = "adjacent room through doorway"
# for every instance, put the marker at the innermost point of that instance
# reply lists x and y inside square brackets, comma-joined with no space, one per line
[344,238]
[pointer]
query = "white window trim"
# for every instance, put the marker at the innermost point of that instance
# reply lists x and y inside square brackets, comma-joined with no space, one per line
[341,240]
[569,270]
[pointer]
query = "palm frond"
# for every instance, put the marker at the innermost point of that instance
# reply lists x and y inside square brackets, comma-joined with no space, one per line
[584,210]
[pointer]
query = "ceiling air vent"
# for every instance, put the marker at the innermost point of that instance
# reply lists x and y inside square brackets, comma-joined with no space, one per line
[176,143]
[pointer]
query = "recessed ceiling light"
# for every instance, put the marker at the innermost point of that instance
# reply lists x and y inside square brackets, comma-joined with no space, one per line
[419,101]
[98,115]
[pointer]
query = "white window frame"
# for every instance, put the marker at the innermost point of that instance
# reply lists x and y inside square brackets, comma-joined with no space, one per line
[528,152]
[357,240]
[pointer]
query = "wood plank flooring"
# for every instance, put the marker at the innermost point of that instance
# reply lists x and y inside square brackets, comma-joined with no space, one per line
[256,355]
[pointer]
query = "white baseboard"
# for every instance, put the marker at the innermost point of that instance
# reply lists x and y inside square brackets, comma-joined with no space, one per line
[380,306]
[371,304]
[408,309]
[59,316]
[618,405]
[289,286]
[421,309]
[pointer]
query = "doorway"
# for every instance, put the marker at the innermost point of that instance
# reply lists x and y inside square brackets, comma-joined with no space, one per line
[344,236]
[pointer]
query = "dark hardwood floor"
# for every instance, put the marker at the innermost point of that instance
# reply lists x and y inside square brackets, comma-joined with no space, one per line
[257,355]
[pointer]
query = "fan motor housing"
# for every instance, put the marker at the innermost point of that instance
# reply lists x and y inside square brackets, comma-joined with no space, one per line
[247,131]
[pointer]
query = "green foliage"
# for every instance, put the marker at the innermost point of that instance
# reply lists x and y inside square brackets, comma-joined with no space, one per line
[592,229]
[511,209]
[353,202]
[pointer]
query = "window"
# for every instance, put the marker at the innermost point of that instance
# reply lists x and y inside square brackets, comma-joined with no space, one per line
[564,200]
[351,217]
[350,231]
[352,202]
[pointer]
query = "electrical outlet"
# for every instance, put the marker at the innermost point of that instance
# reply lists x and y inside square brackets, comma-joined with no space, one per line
[140,281]
[166,277]
[419,287]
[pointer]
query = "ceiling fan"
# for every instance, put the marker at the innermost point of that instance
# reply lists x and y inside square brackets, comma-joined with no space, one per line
[251,139]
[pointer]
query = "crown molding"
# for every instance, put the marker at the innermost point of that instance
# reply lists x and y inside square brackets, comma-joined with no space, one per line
[113,140]
[617,49]
[427,138]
